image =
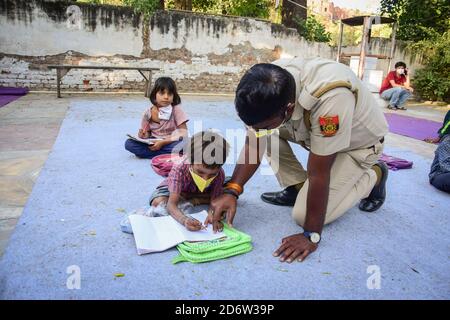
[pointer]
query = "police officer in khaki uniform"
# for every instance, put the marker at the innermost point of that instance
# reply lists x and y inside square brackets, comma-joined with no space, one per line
[321,105]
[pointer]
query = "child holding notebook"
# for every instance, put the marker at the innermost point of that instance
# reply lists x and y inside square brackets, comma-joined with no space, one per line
[165,120]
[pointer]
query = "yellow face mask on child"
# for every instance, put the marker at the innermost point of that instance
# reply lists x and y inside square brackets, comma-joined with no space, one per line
[201,183]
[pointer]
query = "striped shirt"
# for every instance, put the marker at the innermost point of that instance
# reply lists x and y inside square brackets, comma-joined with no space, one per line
[165,128]
[180,181]
[441,162]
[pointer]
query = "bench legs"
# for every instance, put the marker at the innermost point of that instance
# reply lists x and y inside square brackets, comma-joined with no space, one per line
[58,82]
[59,74]
[148,83]
[148,87]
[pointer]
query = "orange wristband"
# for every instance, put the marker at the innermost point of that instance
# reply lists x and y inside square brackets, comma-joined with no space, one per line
[235,186]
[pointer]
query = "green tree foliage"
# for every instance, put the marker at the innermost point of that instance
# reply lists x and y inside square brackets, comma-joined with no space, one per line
[245,8]
[433,81]
[425,24]
[183,4]
[107,2]
[351,35]
[418,19]
[312,30]
[146,7]
[250,8]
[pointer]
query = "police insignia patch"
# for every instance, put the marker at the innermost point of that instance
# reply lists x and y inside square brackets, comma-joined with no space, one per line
[329,125]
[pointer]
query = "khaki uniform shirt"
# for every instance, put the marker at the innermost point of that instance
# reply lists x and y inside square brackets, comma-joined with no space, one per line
[355,117]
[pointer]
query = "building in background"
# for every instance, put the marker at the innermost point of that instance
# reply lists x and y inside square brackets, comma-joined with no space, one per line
[338,13]
[327,9]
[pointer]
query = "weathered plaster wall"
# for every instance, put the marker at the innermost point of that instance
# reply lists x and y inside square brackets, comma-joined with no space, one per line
[203,53]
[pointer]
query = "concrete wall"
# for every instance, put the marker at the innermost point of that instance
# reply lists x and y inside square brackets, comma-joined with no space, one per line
[203,53]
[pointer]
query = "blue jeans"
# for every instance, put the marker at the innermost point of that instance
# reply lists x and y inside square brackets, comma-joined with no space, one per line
[397,96]
[141,150]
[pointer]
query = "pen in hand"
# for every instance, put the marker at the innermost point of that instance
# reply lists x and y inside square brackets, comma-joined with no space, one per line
[193,224]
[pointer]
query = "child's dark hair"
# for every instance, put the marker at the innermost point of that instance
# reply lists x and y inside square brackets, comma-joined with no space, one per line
[208,148]
[264,91]
[165,83]
[400,64]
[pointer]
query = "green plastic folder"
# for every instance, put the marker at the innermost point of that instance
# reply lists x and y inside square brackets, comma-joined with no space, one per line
[235,243]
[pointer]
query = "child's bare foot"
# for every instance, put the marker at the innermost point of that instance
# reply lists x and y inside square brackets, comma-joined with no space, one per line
[432,140]
[159,200]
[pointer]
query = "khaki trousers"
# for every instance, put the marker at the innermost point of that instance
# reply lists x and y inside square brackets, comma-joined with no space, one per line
[351,179]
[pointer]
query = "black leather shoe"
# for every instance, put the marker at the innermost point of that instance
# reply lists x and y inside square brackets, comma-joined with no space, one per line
[376,198]
[284,197]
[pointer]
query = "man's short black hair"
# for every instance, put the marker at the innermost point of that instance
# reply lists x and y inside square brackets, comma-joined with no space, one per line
[400,64]
[264,91]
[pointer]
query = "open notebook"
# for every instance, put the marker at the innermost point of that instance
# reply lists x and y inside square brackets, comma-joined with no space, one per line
[156,234]
[149,141]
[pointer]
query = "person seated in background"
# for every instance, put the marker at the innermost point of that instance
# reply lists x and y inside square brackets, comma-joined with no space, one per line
[444,128]
[164,119]
[440,168]
[396,88]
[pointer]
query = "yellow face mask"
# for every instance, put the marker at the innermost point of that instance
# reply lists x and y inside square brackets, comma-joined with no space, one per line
[201,183]
[264,132]
[259,133]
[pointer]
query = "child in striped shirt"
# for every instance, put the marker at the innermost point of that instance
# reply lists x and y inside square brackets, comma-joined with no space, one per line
[199,178]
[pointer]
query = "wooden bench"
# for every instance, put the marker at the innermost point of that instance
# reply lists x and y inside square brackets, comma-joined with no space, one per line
[62,70]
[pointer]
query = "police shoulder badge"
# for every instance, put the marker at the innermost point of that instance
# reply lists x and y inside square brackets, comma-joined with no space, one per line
[329,125]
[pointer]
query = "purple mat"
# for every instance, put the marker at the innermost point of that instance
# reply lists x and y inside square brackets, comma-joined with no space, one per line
[9,91]
[412,127]
[8,94]
[395,163]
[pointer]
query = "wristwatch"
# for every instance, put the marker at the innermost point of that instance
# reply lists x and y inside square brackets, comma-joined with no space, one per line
[314,237]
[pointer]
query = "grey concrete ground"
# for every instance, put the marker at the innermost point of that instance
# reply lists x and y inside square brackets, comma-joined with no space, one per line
[72,215]
[28,129]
